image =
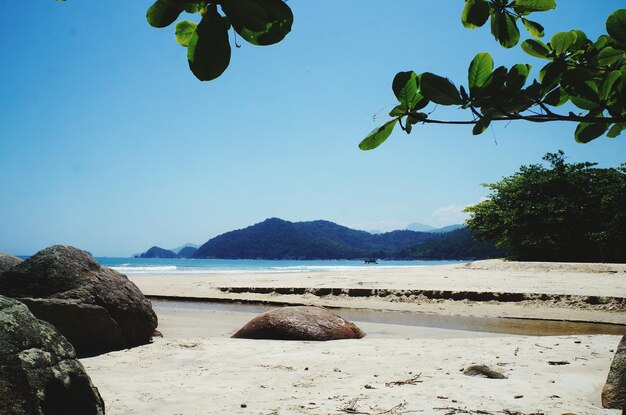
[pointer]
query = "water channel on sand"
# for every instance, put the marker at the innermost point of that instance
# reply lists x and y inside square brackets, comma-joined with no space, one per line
[206,319]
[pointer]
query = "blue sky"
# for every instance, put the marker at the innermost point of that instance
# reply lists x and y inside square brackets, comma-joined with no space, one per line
[109,143]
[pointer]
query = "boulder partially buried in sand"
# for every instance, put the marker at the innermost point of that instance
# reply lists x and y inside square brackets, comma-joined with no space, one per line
[614,392]
[299,323]
[39,373]
[8,261]
[96,308]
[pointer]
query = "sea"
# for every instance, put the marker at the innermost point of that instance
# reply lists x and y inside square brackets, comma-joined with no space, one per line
[237,266]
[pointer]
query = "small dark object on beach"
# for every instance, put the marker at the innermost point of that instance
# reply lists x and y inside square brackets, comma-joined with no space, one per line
[483,371]
[558,362]
[299,323]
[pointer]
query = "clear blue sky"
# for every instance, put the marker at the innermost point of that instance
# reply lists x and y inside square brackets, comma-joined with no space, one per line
[108,142]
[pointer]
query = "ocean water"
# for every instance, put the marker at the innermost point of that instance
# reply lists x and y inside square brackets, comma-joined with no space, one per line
[209,266]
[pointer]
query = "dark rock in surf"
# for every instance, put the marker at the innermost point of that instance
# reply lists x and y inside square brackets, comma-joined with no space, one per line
[39,373]
[96,308]
[299,323]
[8,261]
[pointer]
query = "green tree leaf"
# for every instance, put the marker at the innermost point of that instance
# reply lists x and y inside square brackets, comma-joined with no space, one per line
[536,48]
[586,132]
[479,70]
[616,25]
[534,28]
[208,51]
[556,97]
[260,22]
[398,111]
[562,41]
[184,30]
[528,6]
[405,86]
[378,135]
[607,85]
[439,90]
[579,83]
[165,12]
[581,41]
[616,130]
[481,126]
[609,56]
[516,78]
[551,74]
[475,13]
[504,29]
[584,103]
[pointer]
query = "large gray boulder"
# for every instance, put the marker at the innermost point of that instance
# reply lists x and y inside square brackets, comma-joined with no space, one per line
[8,261]
[39,373]
[614,391]
[299,323]
[96,308]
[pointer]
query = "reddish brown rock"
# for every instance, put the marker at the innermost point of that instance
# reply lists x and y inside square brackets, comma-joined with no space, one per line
[299,323]
[96,308]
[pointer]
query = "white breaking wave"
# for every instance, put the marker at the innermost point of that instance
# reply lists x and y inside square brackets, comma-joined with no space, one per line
[145,270]
[172,269]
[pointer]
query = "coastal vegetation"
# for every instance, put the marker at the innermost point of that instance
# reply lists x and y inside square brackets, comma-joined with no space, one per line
[562,212]
[458,244]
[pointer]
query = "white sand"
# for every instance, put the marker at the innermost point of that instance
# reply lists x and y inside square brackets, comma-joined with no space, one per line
[216,376]
[195,369]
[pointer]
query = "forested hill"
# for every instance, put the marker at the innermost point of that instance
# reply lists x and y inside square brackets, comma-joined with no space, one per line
[279,239]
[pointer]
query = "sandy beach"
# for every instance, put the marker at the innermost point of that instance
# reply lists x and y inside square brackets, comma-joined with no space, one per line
[400,367]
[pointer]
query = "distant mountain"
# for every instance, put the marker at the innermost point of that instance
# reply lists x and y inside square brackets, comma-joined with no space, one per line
[448,228]
[419,227]
[180,248]
[157,252]
[458,244]
[279,239]
[187,252]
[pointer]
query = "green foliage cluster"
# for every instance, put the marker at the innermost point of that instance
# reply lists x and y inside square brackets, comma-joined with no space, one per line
[590,75]
[259,22]
[459,244]
[567,212]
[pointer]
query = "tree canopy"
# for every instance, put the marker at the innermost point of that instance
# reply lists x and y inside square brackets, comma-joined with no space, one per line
[564,212]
